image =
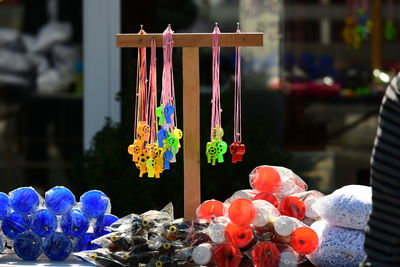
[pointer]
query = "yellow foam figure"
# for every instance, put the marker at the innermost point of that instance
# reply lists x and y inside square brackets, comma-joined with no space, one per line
[159,168]
[143,130]
[178,134]
[135,149]
[141,164]
[151,150]
[151,164]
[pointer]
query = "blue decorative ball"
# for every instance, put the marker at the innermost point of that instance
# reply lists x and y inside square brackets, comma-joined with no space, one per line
[24,200]
[4,205]
[84,243]
[57,246]
[28,246]
[59,200]
[44,222]
[103,222]
[94,203]
[14,224]
[74,223]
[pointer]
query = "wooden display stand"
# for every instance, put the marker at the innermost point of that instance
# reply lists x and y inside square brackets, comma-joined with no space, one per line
[190,44]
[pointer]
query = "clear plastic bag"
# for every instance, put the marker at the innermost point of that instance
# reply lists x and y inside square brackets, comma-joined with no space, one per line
[347,207]
[337,246]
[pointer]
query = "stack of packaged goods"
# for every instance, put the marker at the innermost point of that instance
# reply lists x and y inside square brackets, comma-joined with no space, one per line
[344,216]
[268,225]
[55,226]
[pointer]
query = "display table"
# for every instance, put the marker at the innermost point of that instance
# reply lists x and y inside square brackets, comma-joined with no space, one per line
[13,260]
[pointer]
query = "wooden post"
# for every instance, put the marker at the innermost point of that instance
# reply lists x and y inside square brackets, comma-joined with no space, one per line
[191,129]
[190,42]
[376,35]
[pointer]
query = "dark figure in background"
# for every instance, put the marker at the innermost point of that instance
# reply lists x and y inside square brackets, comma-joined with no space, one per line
[382,239]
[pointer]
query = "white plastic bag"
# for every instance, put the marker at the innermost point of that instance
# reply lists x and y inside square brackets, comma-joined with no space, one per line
[337,246]
[347,207]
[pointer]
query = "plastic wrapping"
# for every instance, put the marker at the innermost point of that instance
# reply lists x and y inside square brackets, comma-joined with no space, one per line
[99,257]
[178,229]
[85,243]
[265,254]
[347,207]
[8,37]
[4,205]
[202,254]
[28,246]
[265,213]
[95,204]
[301,238]
[52,33]
[118,241]
[292,206]
[270,197]
[216,231]
[245,193]
[2,243]
[57,246]
[310,198]
[74,223]
[226,255]
[240,236]
[15,224]
[59,200]
[24,200]
[242,211]
[274,179]
[103,222]
[209,210]
[337,246]
[14,62]
[43,222]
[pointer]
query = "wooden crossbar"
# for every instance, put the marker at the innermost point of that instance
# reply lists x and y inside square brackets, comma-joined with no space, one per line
[191,39]
[190,42]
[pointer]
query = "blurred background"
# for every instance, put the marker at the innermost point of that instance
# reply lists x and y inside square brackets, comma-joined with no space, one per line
[311,95]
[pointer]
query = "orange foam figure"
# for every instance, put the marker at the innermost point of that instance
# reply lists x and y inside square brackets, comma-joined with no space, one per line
[292,206]
[209,210]
[242,211]
[271,198]
[304,240]
[239,236]
[226,255]
[265,254]
[266,179]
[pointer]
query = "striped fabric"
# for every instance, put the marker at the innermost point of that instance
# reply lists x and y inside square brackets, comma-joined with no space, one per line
[382,239]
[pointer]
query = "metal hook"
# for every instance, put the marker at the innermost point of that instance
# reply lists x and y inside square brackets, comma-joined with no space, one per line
[238,28]
[141,27]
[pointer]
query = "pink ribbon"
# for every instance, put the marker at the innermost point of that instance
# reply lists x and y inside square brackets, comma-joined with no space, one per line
[168,89]
[238,96]
[215,103]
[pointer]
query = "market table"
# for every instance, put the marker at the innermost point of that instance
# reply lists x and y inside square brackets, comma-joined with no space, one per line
[13,260]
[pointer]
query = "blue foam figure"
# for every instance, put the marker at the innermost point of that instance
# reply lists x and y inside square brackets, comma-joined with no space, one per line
[28,246]
[94,203]
[85,243]
[168,112]
[14,224]
[161,136]
[168,156]
[103,222]
[57,246]
[74,223]
[4,205]
[24,200]
[44,222]
[59,200]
